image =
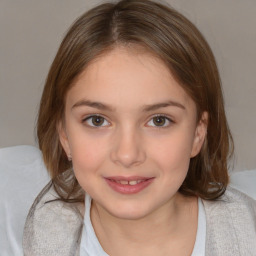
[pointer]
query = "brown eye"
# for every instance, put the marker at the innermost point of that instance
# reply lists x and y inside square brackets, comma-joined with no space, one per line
[96,121]
[159,121]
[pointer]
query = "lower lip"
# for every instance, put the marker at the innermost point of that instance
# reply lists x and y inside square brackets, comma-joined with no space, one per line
[129,189]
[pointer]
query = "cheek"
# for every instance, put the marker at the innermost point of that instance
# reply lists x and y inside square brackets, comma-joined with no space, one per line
[88,159]
[172,153]
[88,153]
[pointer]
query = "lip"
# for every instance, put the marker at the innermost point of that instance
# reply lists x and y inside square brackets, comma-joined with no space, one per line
[113,182]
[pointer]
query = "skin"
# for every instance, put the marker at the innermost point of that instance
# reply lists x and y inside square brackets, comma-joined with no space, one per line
[129,142]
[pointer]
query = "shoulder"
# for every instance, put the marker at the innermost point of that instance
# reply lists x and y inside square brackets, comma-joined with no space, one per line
[233,206]
[231,224]
[52,227]
[234,200]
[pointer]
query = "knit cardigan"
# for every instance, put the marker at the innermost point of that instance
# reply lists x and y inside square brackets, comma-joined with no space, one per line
[55,228]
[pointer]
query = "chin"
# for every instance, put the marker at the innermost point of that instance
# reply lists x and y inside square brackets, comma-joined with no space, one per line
[130,212]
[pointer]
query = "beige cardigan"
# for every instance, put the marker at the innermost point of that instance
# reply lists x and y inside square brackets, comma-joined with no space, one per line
[55,228]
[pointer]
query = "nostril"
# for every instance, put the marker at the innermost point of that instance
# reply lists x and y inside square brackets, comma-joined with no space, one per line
[128,159]
[127,149]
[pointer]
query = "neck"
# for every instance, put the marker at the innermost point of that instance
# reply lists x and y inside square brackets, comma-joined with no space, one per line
[165,227]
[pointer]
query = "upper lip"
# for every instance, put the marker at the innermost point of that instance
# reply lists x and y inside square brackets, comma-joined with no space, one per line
[130,178]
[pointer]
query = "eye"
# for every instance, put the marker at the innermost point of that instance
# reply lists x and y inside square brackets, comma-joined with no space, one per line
[159,121]
[96,121]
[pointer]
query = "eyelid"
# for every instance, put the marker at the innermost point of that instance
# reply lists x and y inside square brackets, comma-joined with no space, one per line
[86,118]
[169,119]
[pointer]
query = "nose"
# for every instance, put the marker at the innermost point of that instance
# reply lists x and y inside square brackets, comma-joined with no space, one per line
[127,149]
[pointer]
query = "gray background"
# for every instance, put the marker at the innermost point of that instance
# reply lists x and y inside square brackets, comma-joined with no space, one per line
[31,32]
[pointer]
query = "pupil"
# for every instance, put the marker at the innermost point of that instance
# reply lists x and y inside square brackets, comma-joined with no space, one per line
[97,120]
[159,121]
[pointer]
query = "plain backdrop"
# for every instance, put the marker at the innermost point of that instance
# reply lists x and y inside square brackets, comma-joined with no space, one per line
[31,31]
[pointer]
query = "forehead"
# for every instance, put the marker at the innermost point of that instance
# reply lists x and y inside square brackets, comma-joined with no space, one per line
[124,75]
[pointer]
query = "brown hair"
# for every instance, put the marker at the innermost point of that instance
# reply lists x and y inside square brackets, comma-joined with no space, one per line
[174,39]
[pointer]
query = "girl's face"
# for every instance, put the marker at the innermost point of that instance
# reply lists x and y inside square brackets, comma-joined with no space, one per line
[131,130]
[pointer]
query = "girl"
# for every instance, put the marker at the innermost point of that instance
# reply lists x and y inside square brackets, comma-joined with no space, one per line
[133,132]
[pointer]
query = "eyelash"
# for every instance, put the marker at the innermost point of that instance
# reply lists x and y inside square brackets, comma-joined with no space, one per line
[166,119]
[86,120]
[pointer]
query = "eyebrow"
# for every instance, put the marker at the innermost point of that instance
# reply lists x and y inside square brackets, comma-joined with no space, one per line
[146,108]
[93,104]
[163,105]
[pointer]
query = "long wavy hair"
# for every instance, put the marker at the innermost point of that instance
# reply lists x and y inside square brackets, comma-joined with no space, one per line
[175,40]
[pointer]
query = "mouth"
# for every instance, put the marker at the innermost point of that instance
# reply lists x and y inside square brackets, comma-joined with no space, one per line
[129,185]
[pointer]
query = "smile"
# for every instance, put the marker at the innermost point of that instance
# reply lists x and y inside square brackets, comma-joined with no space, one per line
[130,185]
[126,182]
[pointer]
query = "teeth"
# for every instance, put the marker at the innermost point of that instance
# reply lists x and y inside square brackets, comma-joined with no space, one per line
[133,182]
[124,182]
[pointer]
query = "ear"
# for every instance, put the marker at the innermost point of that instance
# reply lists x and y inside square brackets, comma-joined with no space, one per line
[64,138]
[200,134]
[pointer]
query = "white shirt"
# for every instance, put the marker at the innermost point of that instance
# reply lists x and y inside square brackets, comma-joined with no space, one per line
[199,247]
[90,245]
